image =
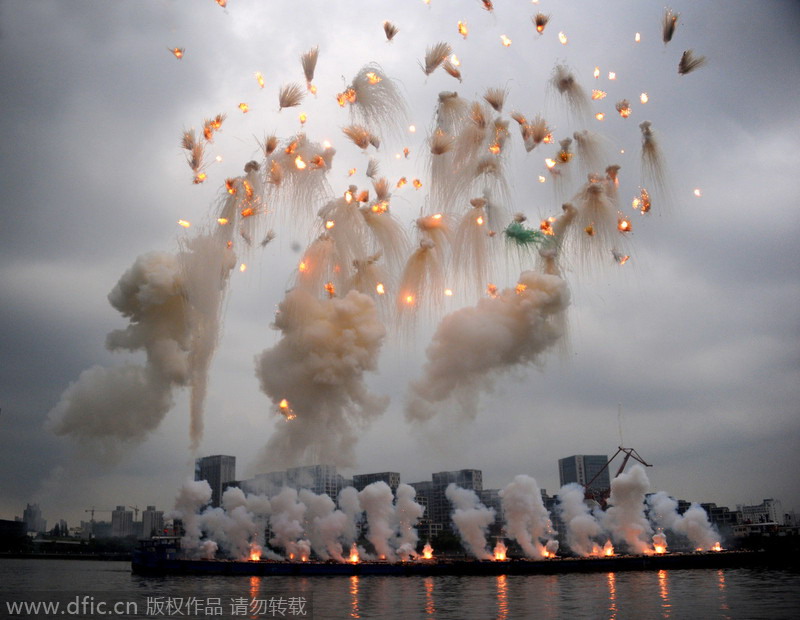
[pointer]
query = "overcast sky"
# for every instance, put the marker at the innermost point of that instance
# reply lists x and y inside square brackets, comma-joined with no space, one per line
[695,338]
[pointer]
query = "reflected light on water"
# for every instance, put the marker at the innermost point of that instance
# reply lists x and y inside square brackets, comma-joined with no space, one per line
[723,600]
[255,586]
[502,597]
[612,595]
[354,597]
[430,606]
[663,590]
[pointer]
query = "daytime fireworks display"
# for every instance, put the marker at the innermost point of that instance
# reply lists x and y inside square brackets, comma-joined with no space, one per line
[461,230]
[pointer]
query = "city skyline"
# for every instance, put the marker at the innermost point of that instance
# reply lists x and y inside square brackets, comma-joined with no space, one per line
[687,352]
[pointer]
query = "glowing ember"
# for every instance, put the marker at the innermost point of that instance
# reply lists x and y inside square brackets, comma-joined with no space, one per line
[330,224]
[380,207]
[642,202]
[637,38]
[644,98]
[500,550]
[550,163]
[494,149]
[222,221]
[448,292]
[599,116]
[260,79]
[184,223]
[303,118]
[285,410]
[242,268]
[409,300]
[312,89]
[548,139]
[623,225]
[546,226]
[479,220]
[244,107]
[596,72]
[542,179]
[416,183]
[547,554]
[380,289]
[454,60]
[302,267]
[620,257]
[348,196]
[624,108]
[462,29]
[520,288]
[229,185]
[298,161]
[199,178]
[716,547]
[697,192]
[406,152]
[562,38]
[612,75]
[248,212]
[589,230]
[608,548]
[491,290]
[330,289]
[401,182]
[505,40]
[373,78]
[177,52]
[427,551]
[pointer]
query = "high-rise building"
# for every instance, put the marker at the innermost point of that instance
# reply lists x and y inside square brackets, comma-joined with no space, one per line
[439,506]
[583,469]
[152,522]
[121,522]
[32,516]
[321,479]
[392,478]
[218,471]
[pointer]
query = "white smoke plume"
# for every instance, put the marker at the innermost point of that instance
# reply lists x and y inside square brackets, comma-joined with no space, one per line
[324,524]
[107,407]
[192,497]
[526,519]
[376,500]
[318,366]
[474,344]
[693,523]
[350,504]
[582,528]
[408,512]
[471,518]
[286,522]
[625,517]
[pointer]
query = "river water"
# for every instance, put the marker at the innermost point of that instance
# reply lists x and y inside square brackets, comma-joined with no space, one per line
[94,589]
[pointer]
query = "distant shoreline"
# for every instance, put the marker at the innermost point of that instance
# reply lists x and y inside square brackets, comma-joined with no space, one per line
[109,557]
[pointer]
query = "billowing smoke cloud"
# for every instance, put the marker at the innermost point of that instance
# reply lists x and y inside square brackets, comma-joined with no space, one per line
[625,517]
[318,366]
[376,500]
[526,519]
[474,344]
[409,512]
[173,303]
[286,522]
[693,523]
[192,497]
[582,528]
[471,518]
[124,403]
[325,525]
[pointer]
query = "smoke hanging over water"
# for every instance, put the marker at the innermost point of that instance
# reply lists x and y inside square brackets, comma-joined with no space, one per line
[625,517]
[107,407]
[527,520]
[474,344]
[471,518]
[318,368]
[581,525]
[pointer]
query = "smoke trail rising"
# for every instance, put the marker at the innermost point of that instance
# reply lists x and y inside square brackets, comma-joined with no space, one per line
[474,344]
[471,518]
[318,367]
[376,500]
[625,517]
[526,519]
[582,526]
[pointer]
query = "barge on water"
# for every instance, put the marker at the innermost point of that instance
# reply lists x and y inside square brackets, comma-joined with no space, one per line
[162,557]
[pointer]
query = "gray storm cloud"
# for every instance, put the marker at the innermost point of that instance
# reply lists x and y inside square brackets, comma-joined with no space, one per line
[473,345]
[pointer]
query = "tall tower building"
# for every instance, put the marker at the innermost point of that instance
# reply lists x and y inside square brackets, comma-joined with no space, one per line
[152,522]
[582,468]
[121,522]
[218,471]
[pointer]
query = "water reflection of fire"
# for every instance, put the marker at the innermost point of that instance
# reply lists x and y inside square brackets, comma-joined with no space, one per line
[500,550]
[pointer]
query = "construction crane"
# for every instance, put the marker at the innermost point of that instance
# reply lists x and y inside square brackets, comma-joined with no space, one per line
[629,453]
[135,512]
[93,510]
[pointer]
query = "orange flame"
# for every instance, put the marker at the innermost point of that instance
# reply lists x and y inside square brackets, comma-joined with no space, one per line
[427,551]
[599,116]
[660,549]
[520,288]
[598,94]
[379,288]
[373,78]
[500,551]
[401,182]
[330,289]
[230,186]
[177,52]
[462,29]
[351,172]
[479,220]
[222,221]
[596,72]
[608,548]
[248,212]
[491,290]
[644,98]
[716,547]
[550,163]
[260,79]
[199,178]
[298,161]
[623,225]
[416,183]
[505,40]
[184,223]
[354,557]
[244,107]
[303,118]
[562,38]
